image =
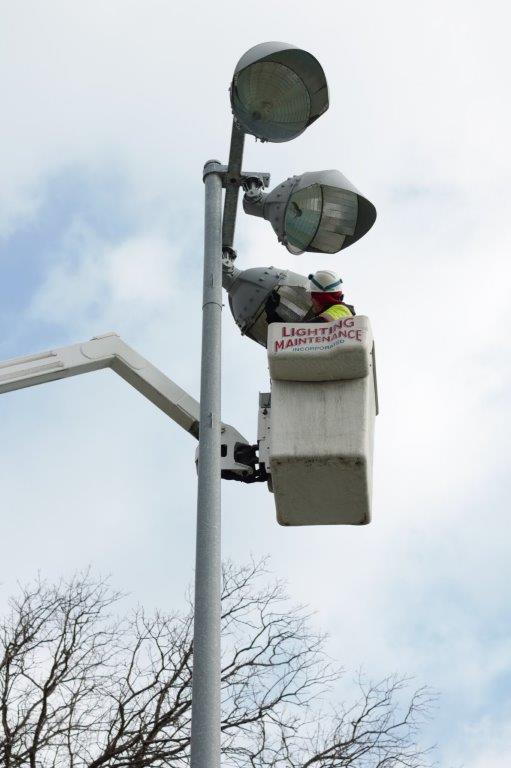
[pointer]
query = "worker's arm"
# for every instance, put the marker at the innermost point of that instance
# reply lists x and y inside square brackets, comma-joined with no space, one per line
[336,312]
[272,302]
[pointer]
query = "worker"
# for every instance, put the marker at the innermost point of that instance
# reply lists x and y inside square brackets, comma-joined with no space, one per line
[327,297]
[327,300]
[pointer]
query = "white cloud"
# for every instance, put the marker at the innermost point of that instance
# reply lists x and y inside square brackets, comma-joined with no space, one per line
[485,743]
[140,272]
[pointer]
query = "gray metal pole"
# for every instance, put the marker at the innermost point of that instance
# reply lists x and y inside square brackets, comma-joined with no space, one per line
[232,188]
[205,746]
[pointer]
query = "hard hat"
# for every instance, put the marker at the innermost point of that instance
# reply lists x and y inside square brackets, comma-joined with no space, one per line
[325,281]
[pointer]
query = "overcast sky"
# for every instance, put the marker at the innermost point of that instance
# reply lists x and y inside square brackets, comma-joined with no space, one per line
[109,110]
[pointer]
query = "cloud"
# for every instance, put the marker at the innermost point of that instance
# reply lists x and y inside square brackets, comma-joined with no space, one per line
[486,744]
[139,274]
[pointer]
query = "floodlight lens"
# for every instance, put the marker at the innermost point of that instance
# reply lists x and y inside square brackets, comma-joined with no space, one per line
[339,218]
[303,215]
[319,217]
[271,101]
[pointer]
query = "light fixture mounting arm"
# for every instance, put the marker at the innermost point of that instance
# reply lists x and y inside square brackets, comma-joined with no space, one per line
[232,179]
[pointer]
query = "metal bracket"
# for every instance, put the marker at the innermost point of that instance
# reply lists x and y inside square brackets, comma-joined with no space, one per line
[239,460]
[245,178]
[233,179]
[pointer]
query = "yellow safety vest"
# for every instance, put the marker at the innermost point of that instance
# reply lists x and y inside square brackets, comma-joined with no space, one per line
[335,312]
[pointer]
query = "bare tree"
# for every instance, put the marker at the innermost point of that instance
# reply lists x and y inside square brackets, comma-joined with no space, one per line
[83,689]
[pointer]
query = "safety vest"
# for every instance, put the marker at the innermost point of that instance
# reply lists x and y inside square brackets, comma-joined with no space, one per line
[335,312]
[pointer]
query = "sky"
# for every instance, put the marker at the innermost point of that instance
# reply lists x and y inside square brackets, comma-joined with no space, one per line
[109,111]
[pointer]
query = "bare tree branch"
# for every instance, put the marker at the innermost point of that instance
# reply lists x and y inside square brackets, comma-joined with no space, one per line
[82,689]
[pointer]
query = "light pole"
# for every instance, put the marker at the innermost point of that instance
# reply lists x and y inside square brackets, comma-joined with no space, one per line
[276,92]
[205,739]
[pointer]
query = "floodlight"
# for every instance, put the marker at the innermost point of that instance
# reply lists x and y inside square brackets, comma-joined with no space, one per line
[277,91]
[320,212]
[250,290]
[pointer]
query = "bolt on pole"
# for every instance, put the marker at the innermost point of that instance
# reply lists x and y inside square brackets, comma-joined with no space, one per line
[205,738]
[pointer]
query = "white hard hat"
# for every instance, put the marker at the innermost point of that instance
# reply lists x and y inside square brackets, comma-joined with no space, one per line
[325,281]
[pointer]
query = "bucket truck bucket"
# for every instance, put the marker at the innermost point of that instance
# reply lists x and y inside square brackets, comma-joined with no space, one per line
[319,444]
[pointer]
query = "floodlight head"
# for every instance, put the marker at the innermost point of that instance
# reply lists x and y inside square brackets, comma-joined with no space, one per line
[250,289]
[320,212]
[277,91]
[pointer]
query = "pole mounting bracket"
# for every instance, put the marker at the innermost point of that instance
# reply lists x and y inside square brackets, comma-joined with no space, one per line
[232,179]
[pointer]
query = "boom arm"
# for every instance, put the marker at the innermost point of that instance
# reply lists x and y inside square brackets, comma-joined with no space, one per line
[110,351]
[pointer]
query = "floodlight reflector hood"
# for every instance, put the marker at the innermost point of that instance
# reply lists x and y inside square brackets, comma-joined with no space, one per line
[321,212]
[250,289]
[277,91]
